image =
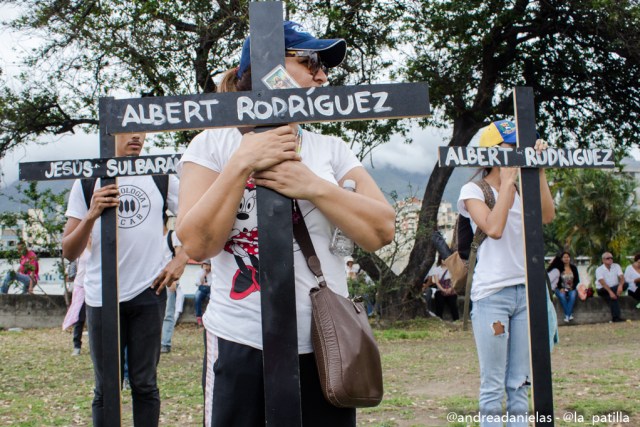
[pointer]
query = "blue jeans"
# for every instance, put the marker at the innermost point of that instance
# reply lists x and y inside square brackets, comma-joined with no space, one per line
[567,299]
[500,328]
[169,321]
[201,294]
[14,275]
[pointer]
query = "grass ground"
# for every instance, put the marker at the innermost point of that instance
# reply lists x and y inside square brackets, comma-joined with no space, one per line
[430,370]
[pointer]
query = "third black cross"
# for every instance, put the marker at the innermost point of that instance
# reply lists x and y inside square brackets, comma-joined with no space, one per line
[525,157]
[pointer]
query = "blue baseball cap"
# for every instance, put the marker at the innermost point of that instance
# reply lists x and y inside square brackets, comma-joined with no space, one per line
[331,51]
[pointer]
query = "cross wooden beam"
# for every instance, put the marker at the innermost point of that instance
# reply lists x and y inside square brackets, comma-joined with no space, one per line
[525,157]
[106,168]
[260,108]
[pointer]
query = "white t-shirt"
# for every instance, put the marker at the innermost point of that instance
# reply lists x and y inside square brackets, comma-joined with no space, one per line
[82,268]
[610,276]
[141,243]
[630,276]
[554,278]
[439,270]
[205,278]
[500,262]
[234,309]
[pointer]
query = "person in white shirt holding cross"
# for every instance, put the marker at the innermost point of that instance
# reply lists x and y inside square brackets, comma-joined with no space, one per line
[610,284]
[218,218]
[499,314]
[143,273]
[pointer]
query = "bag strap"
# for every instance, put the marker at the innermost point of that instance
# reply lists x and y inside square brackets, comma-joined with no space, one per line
[490,201]
[301,233]
[161,181]
[467,295]
[87,189]
[170,243]
[478,238]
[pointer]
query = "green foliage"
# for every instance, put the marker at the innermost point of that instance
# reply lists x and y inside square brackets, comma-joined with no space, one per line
[596,212]
[93,49]
[580,56]
[424,377]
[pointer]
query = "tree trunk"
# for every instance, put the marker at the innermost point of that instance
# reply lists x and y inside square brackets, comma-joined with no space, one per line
[400,298]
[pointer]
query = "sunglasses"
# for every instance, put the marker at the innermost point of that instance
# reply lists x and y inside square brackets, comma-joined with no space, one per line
[314,63]
[609,257]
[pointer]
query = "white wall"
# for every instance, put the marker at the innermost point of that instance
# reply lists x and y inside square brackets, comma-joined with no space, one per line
[51,282]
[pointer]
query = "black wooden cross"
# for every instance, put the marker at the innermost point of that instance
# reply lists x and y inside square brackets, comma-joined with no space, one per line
[263,107]
[107,168]
[260,107]
[525,157]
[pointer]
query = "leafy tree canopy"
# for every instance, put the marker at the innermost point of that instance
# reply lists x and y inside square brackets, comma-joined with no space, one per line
[128,48]
[597,212]
[582,58]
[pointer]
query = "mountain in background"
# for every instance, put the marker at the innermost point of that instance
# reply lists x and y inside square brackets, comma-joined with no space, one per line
[407,184]
[390,179]
[11,190]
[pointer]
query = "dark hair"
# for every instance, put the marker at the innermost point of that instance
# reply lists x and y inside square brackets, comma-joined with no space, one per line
[556,262]
[483,172]
[231,83]
[562,255]
[637,257]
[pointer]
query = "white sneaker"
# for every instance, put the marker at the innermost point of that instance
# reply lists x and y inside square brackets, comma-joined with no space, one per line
[566,319]
[75,352]
[571,317]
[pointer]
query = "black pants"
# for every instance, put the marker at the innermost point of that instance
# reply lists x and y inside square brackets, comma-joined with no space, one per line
[78,327]
[440,301]
[140,331]
[238,391]
[614,305]
[635,294]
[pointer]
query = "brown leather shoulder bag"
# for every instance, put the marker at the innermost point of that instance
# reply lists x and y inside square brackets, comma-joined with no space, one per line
[346,352]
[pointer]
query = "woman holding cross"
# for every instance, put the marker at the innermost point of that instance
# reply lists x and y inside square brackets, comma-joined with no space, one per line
[218,218]
[499,314]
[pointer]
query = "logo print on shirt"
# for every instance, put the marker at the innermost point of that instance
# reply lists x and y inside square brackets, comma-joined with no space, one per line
[134,206]
[243,245]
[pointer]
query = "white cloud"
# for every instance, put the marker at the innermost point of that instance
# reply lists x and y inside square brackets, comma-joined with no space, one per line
[419,156]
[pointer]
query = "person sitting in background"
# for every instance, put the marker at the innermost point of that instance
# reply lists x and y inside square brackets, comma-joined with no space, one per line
[445,294]
[610,284]
[564,279]
[428,287]
[204,289]
[632,277]
[27,273]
